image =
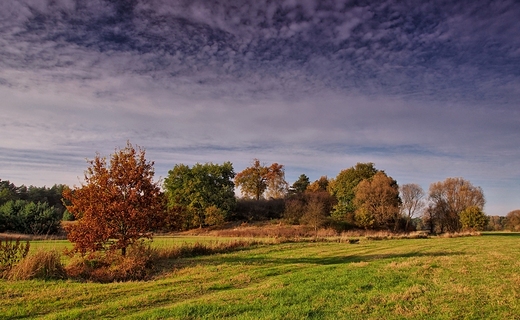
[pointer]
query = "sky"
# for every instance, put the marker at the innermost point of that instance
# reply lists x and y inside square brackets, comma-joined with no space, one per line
[426,90]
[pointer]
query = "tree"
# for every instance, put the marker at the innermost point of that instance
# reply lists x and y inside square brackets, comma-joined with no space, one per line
[29,217]
[449,198]
[118,203]
[319,185]
[377,201]
[496,223]
[344,187]
[201,187]
[7,191]
[412,201]
[316,208]
[254,181]
[472,218]
[300,185]
[315,214]
[513,220]
[277,187]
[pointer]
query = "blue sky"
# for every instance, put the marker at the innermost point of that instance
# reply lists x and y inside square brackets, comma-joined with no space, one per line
[425,90]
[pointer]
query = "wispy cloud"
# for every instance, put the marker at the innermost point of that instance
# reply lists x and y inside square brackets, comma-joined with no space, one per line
[425,91]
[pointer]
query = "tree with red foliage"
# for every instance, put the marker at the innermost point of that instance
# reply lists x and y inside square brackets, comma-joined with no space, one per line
[118,203]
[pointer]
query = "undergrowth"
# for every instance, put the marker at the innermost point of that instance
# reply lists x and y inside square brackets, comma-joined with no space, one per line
[12,251]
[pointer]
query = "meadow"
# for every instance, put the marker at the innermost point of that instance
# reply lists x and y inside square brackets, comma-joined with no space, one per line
[436,278]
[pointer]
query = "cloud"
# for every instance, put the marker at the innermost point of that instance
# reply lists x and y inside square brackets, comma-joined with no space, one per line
[423,90]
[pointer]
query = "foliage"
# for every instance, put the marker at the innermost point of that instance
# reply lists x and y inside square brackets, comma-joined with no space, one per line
[67,216]
[118,204]
[214,216]
[28,217]
[320,185]
[258,210]
[109,267]
[310,208]
[496,223]
[257,179]
[299,185]
[51,196]
[42,264]
[294,209]
[448,199]
[513,220]
[344,188]
[315,214]
[472,218]
[377,201]
[11,252]
[193,190]
[412,201]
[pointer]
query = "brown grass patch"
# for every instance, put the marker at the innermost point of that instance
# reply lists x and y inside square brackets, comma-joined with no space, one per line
[40,265]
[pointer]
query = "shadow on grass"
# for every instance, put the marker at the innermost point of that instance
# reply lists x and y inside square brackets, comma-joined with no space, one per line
[502,234]
[331,260]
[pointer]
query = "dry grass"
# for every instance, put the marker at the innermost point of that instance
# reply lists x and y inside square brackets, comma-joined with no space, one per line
[29,237]
[40,265]
[266,231]
[460,234]
[142,261]
[110,266]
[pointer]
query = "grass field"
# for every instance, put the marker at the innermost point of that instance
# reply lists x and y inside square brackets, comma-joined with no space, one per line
[437,278]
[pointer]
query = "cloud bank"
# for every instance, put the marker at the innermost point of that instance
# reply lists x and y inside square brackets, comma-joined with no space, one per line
[425,91]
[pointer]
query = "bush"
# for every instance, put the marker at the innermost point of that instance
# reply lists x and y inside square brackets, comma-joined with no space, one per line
[110,266]
[473,219]
[12,252]
[41,265]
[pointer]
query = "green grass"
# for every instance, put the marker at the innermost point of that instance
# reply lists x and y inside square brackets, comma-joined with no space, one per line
[438,278]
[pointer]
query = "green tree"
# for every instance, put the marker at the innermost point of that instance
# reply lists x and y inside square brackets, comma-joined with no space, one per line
[344,188]
[472,218]
[300,185]
[255,180]
[29,217]
[118,204]
[200,187]
[377,201]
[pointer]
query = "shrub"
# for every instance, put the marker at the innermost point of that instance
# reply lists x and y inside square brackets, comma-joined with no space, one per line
[11,252]
[473,219]
[40,265]
[214,216]
[110,266]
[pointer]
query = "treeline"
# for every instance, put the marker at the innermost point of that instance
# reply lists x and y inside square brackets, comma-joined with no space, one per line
[202,195]
[358,197]
[31,210]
